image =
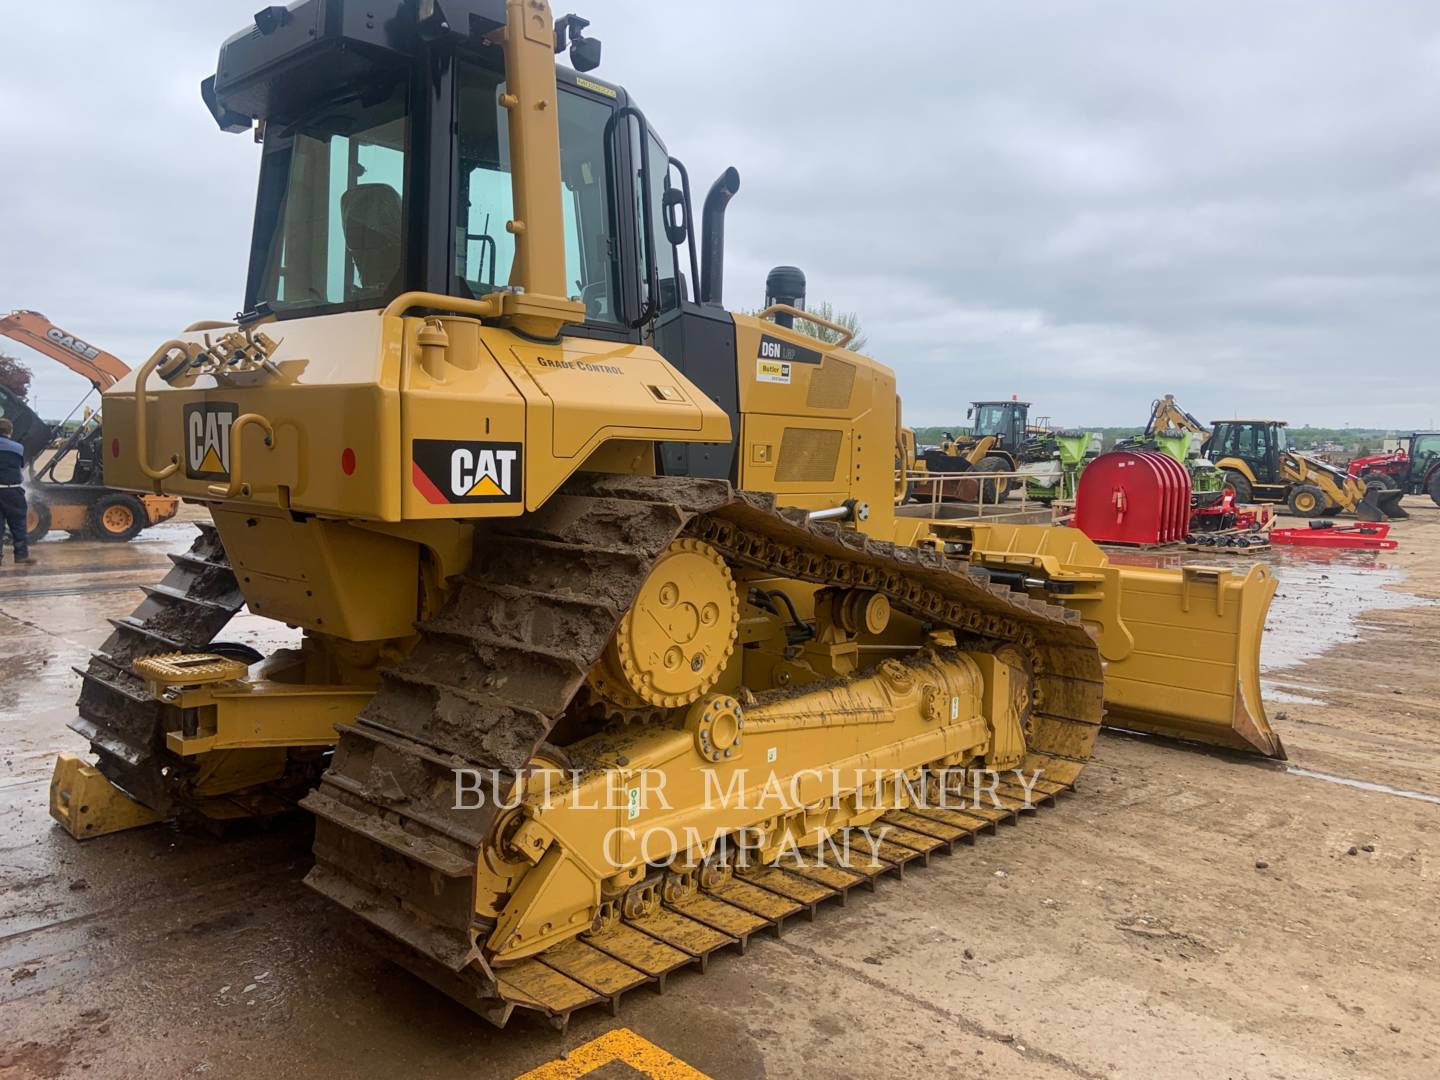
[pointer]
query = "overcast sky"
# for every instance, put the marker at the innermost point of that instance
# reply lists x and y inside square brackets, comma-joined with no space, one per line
[1087,204]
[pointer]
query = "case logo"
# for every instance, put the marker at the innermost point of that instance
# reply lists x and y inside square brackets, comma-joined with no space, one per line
[451,471]
[71,343]
[207,439]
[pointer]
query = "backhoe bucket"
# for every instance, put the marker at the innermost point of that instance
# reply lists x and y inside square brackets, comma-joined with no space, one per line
[1183,658]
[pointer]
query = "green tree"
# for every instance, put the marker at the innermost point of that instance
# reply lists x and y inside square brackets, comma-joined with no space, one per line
[14,376]
[847,319]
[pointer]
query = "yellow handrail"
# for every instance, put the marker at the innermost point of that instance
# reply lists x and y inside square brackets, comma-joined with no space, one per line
[141,413]
[236,486]
[846,334]
[485,307]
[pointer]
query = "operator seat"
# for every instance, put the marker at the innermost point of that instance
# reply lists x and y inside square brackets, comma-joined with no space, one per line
[370,215]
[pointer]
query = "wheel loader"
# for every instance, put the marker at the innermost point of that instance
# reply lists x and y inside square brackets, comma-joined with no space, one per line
[1000,440]
[608,638]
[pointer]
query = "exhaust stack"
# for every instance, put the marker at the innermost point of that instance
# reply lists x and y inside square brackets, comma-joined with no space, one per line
[712,245]
[785,285]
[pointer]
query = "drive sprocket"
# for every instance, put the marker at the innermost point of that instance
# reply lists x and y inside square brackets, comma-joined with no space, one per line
[673,644]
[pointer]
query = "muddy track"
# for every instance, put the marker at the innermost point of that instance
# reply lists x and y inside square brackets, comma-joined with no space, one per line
[498,665]
[183,613]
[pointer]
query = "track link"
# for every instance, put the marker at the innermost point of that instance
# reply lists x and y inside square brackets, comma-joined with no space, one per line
[497,666]
[183,613]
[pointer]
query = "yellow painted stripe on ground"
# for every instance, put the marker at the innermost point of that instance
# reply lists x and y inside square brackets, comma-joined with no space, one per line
[623,1045]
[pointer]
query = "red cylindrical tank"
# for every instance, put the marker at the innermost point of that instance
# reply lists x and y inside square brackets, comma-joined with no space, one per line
[1133,497]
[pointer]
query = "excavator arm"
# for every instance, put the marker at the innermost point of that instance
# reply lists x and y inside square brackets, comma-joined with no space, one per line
[102,369]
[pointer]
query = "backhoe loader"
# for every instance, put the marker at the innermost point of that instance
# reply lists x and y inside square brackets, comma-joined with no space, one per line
[1260,468]
[1174,431]
[608,631]
[66,488]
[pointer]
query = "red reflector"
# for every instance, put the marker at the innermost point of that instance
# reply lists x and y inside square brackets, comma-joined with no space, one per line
[347,462]
[114,447]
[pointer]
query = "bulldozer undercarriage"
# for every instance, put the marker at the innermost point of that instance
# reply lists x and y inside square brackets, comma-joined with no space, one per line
[591,645]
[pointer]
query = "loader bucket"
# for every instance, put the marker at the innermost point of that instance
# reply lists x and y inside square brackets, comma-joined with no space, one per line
[1383,502]
[1183,659]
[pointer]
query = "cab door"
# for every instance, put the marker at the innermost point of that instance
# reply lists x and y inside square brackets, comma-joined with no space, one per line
[1266,454]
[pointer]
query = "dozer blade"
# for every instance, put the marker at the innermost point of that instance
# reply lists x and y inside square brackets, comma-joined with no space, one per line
[1183,658]
[1181,648]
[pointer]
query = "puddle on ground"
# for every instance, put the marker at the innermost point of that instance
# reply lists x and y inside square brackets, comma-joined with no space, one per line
[1363,785]
[1287,693]
[1318,604]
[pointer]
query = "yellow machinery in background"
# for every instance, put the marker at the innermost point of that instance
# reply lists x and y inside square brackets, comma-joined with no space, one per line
[1260,467]
[550,522]
[66,485]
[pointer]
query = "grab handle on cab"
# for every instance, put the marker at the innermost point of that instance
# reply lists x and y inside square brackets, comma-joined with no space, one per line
[142,413]
[237,485]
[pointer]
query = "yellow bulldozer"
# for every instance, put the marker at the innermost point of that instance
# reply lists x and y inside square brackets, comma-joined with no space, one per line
[606,626]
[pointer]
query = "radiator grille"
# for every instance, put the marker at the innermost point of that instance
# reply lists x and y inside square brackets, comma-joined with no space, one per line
[831,385]
[808,455]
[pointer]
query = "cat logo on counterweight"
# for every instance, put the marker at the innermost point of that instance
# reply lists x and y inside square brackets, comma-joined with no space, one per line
[207,439]
[451,471]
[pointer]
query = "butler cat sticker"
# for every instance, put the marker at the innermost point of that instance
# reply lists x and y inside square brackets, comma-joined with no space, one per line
[451,471]
[773,371]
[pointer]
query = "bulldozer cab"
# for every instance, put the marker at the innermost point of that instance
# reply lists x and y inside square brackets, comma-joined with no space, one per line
[1006,420]
[388,170]
[387,167]
[1258,443]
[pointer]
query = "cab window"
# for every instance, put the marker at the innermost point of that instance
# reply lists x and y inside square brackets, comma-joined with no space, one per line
[330,228]
[484,249]
[664,253]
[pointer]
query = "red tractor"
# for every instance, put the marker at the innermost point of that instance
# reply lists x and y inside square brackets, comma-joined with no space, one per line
[1414,468]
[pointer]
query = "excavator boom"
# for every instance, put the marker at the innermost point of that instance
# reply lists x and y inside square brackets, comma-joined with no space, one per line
[102,369]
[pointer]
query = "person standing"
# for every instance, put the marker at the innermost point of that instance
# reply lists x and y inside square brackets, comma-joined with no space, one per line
[12,494]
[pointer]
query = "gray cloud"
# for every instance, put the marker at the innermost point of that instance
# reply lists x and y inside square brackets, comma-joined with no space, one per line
[1086,204]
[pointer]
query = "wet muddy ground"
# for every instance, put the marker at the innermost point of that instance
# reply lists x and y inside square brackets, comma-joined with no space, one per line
[1187,913]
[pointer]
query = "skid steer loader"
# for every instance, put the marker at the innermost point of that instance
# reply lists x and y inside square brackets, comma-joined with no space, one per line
[608,630]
